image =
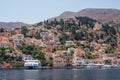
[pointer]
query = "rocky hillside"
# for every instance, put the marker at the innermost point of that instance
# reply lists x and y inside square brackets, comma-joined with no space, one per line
[101,15]
[12,24]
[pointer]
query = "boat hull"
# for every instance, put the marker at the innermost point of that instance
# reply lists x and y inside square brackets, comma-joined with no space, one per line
[106,67]
[92,66]
[32,64]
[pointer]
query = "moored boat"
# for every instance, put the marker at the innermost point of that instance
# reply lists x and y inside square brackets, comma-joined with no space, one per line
[32,64]
[93,66]
[106,66]
[115,66]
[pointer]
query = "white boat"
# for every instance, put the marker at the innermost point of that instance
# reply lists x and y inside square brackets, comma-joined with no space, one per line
[93,66]
[32,64]
[106,66]
[115,66]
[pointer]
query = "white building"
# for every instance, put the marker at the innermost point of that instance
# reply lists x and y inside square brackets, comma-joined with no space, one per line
[26,57]
[78,62]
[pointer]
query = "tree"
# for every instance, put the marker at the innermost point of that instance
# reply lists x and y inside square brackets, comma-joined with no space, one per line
[88,56]
[108,29]
[37,36]
[41,57]
[10,49]
[50,58]
[50,64]
[63,38]
[61,22]
[55,21]
[109,50]
[2,29]
[112,31]
[111,40]
[40,24]
[107,61]
[63,42]
[88,22]
[78,44]
[79,36]
[18,58]
[24,30]
[2,52]
[47,26]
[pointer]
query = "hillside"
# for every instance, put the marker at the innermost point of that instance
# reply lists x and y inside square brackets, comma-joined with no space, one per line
[73,39]
[101,15]
[12,24]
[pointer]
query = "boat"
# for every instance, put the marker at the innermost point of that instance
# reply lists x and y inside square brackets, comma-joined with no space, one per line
[32,64]
[115,66]
[93,66]
[106,66]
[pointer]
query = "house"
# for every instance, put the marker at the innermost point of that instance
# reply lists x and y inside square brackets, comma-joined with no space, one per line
[62,59]
[84,42]
[77,57]
[48,55]
[97,26]
[70,50]
[97,54]
[58,59]
[48,37]
[17,38]
[78,53]
[20,37]
[6,34]
[70,43]
[78,62]
[16,42]
[67,61]
[93,44]
[5,45]
[43,44]
[32,30]
[11,54]
[49,48]
[4,42]
[17,30]
[36,42]
[26,57]
[58,62]
[33,41]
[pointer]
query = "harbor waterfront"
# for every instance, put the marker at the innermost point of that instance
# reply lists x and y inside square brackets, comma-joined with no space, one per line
[59,74]
[59,40]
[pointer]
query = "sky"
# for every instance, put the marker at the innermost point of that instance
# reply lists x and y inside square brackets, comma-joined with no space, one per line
[33,11]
